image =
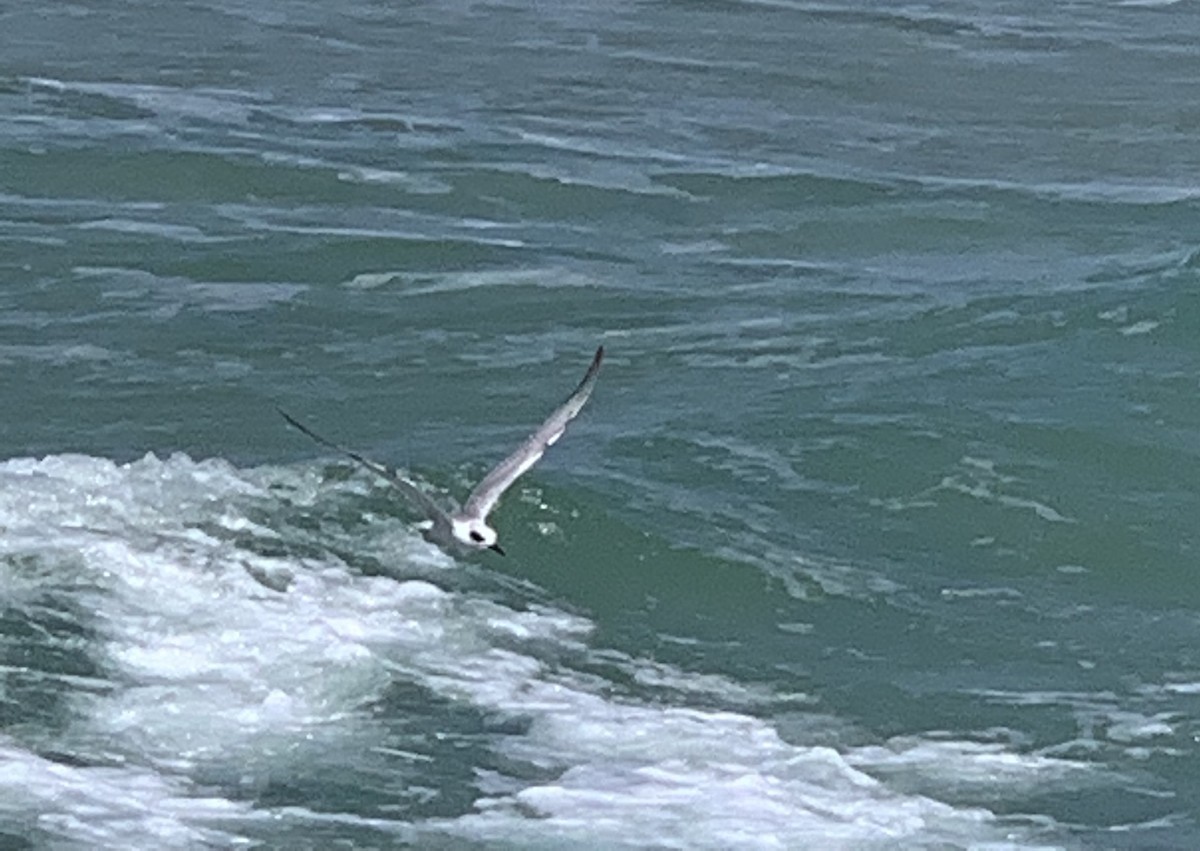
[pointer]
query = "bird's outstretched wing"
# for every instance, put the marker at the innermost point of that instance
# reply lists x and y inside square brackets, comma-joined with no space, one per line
[495,483]
[417,496]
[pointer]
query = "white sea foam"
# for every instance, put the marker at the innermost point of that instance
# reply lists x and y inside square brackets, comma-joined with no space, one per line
[445,282]
[628,776]
[948,767]
[418,184]
[165,101]
[982,481]
[1135,726]
[1145,326]
[170,295]
[108,807]
[227,667]
[58,354]
[155,229]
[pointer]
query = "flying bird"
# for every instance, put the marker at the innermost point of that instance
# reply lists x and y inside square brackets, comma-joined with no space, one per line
[467,528]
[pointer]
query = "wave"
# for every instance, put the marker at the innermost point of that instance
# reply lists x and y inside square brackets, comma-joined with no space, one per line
[252,645]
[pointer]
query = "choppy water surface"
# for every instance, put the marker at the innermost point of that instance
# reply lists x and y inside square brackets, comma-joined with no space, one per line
[878,532]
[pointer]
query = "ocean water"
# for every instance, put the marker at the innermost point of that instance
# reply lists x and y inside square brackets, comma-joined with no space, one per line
[879,532]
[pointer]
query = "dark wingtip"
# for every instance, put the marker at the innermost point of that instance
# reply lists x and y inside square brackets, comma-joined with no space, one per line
[290,419]
[594,366]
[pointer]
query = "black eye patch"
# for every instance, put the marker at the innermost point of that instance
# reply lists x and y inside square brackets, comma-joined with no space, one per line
[475,536]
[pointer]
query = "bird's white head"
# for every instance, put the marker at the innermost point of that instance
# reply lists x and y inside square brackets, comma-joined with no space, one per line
[475,534]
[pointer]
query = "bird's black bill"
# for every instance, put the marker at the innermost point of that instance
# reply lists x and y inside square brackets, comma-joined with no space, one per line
[496,548]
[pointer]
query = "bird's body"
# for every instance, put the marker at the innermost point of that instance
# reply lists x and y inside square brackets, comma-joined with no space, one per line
[467,528]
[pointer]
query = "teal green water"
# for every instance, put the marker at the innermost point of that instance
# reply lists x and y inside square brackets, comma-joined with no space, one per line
[879,530]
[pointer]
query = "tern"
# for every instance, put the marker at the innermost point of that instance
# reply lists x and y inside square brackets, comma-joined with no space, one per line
[467,528]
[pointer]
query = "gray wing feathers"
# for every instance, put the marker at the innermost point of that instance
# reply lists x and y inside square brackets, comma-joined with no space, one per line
[488,491]
[422,500]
